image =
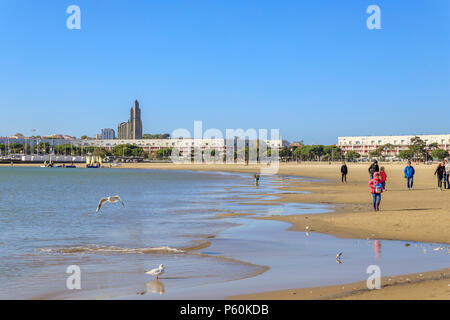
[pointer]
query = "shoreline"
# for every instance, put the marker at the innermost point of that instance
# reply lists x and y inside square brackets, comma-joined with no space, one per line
[418,215]
[419,286]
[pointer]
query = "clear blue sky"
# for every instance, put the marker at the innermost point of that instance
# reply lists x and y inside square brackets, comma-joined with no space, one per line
[310,68]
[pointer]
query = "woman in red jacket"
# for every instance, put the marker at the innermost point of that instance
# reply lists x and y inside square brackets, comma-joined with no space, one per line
[376,188]
[383,177]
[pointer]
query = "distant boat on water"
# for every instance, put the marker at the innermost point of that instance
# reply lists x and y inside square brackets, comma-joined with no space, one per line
[50,164]
[64,166]
[91,163]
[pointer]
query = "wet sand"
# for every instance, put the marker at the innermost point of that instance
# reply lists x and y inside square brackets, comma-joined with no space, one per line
[417,286]
[421,215]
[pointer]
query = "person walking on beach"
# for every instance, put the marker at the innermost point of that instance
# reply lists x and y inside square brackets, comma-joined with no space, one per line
[440,172]
[409,175]
[256,176]
[376,188]
[344,171]
[383,177]
[447,173]
[373,168]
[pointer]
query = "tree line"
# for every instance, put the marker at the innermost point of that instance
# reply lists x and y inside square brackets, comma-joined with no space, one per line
[313,153]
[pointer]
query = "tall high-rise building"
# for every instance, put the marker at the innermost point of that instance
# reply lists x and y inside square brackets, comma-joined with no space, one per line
[123,131]
[133,128]
[136,122]
[108,134]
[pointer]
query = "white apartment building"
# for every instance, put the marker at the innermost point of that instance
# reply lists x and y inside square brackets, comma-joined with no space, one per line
[183,145]
[365,144]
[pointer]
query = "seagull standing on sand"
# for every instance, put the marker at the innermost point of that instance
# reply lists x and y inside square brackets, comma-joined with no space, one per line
[338,258]
[308,228]
[156,272]
[109,199]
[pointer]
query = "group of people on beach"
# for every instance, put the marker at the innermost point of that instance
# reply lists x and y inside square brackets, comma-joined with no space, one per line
[377,184]
[378,177]
[443,172]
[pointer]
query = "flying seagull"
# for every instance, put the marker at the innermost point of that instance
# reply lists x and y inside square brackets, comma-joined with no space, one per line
[156,272]
[109,199]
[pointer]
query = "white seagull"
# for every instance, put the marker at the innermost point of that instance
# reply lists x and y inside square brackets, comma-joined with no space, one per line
[156,272]
[109,199]
[338,258]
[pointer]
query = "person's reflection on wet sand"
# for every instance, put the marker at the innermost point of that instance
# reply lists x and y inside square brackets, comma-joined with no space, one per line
[377,246]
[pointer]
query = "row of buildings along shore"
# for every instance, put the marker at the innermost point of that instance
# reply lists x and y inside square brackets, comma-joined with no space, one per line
[366,144]
[150,145]
[362,144]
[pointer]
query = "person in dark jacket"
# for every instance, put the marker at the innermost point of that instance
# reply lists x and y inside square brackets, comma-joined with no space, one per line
[447,173]
[373,168]
[440,173]
[344,171]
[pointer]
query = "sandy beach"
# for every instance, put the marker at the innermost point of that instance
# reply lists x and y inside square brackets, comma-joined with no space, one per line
[420,215]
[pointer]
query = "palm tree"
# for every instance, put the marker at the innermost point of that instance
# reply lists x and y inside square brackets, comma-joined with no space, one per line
[433,146]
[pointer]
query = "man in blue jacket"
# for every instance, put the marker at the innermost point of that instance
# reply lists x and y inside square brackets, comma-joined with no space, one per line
[409,175]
